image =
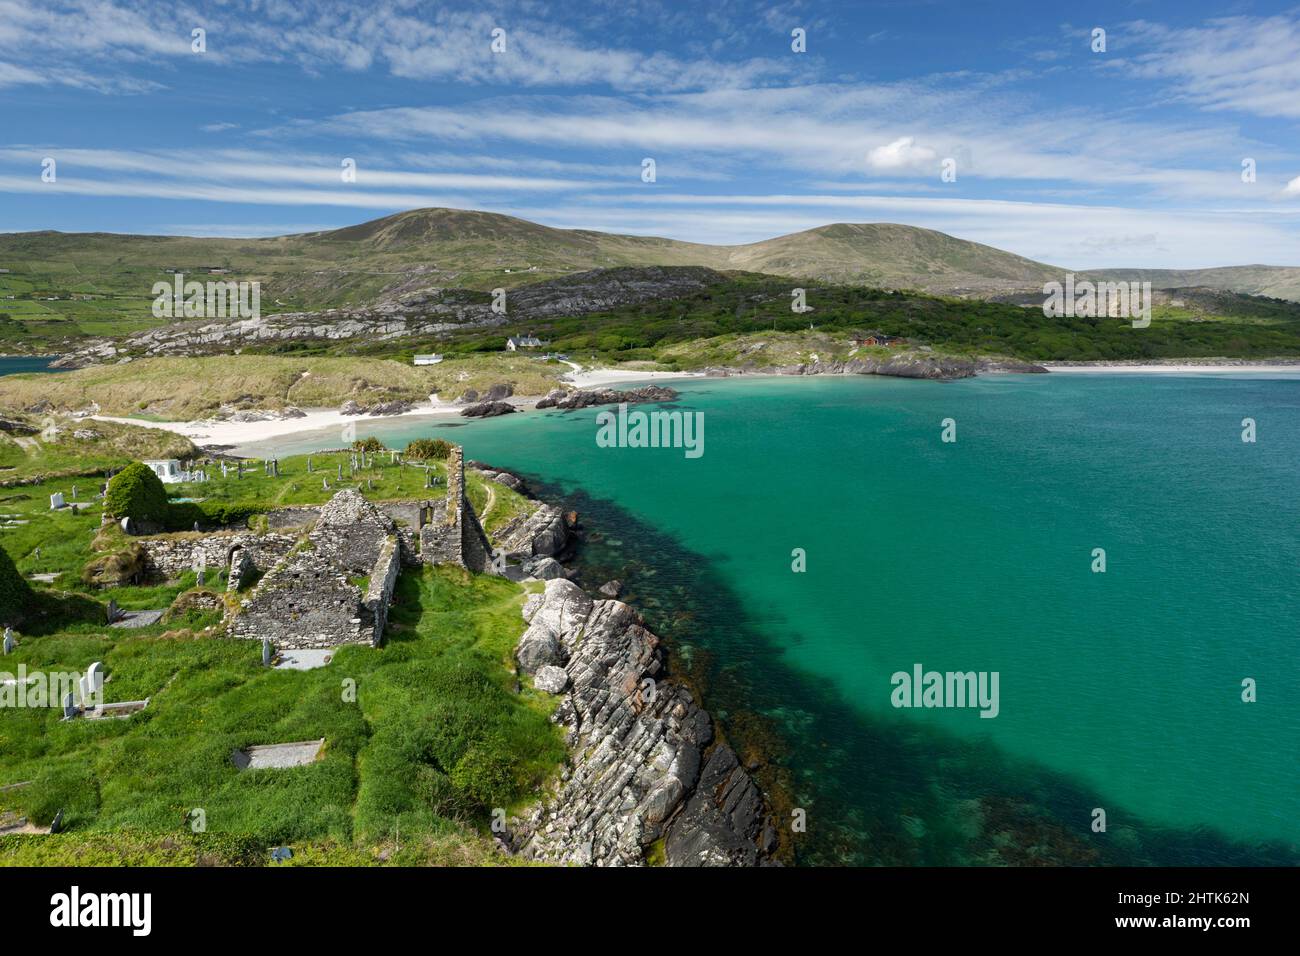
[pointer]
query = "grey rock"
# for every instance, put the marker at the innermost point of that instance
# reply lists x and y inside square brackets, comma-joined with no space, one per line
[551,679]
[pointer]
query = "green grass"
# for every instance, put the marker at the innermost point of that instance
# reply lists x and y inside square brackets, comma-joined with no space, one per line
[436,737]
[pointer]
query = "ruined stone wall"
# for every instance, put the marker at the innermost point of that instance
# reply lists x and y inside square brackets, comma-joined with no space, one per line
[169,556]
[383,578]
[456,537]
[350,532]
[296,517]
[304,602]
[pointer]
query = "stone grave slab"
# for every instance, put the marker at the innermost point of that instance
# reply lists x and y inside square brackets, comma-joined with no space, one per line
[278,756]
[305,659]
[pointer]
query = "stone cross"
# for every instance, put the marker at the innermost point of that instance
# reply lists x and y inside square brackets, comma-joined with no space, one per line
[9,640]
[266,652]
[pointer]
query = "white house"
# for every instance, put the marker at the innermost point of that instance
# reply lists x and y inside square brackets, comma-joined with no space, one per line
[432,359]
[168,469]
[517,342]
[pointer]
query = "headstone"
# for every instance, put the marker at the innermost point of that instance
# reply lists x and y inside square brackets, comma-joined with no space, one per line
[95,681]
[113,612]
[9,640]
[199,579]
[69,706]
[56,825]
[126,525]
[340,474]
[56,501]
[325,484]
[309,464]
[223,469]
[74,492]
[266,652]
[370,485]
[281,853]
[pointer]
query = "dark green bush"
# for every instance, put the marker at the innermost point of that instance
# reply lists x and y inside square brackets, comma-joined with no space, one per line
[15,592]
[368,444]
[137,493]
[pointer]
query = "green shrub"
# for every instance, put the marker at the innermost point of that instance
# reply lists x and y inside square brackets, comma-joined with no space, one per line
[368,444]
[15,592]
[428,449]
[137,493]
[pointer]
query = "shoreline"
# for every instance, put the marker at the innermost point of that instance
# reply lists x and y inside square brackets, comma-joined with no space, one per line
[243,434]
[237,434]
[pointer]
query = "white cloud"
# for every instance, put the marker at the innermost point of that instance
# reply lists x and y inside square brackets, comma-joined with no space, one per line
[1293,187]
[1248,64]
[902,153]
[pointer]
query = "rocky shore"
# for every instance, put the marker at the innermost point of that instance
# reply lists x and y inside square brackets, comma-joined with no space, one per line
[648,777]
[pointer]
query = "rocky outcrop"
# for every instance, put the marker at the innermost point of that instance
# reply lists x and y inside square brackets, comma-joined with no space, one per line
[541,532]
[487,409]
[584,398]
[645,763]
[410,309]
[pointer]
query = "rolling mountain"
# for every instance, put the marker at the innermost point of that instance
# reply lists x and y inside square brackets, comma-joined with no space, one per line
[375,261]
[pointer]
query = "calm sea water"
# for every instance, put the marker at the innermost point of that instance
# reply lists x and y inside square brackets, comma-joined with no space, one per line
[12,364]
[1119,691]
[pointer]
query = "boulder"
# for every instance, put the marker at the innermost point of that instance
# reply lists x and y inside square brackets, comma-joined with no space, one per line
[546,569]
[551,679]
[487,409]
[611,589]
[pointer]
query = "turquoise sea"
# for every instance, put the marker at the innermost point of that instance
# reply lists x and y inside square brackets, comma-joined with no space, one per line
[1119,691]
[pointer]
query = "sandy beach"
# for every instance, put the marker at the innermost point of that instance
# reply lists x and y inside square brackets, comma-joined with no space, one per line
[213,431]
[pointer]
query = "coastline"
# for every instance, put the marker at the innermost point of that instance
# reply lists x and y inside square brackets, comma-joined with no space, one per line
[239,434]
[222,432]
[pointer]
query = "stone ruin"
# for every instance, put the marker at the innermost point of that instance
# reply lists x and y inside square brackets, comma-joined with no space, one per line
[334,587]
[455,536]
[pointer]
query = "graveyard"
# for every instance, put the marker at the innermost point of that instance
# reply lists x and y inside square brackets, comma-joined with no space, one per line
[209,743]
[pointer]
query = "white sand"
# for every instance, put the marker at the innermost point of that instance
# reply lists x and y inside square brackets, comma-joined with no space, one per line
[239,434]
[217,432]
[597,377]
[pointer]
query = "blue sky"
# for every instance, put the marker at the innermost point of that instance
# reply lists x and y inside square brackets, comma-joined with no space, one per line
[1131,156]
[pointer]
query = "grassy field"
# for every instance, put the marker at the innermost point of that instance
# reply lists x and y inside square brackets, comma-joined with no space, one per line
[179,389]
[60,446]
[435,737]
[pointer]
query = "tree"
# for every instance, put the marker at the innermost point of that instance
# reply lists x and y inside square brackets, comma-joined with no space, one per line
[137,493]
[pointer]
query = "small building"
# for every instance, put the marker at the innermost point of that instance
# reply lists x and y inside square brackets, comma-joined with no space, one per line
[517,342]
[877,339]
[168,469]
[431,359]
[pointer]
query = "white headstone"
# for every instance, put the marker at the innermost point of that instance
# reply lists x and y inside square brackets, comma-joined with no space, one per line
[56,501]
